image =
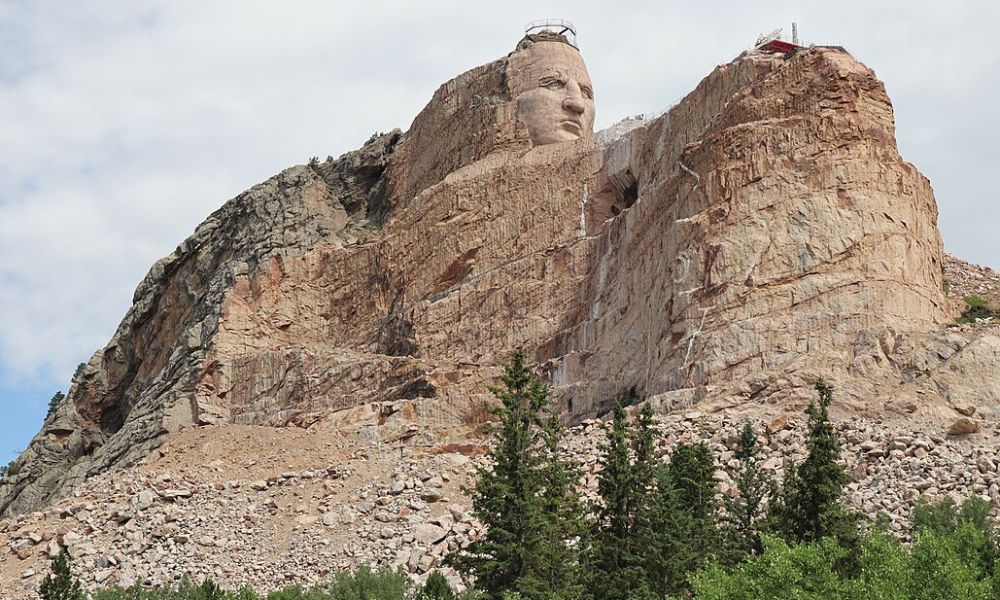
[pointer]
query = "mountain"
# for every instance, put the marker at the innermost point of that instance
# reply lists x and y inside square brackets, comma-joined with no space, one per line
[721,256]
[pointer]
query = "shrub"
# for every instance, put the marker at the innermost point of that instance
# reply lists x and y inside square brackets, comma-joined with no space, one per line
[54,403]
[365,584]
[436,588]
[60,583]
[977,307]
[185,590]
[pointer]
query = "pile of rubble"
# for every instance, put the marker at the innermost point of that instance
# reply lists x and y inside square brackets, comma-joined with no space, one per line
[404,507]
[967,279]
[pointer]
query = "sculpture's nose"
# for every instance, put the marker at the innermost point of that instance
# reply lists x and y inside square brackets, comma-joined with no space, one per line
[574,105]
[574,99]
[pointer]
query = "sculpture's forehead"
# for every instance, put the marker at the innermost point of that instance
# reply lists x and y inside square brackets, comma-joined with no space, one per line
[526,67]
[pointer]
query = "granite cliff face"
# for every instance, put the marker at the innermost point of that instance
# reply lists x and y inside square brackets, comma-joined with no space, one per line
[760,234]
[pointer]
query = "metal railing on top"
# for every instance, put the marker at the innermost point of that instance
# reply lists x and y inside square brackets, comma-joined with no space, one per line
[560,26]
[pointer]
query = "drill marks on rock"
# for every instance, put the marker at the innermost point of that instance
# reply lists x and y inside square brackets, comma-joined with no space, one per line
[582,232]
[765,246]
[602,276]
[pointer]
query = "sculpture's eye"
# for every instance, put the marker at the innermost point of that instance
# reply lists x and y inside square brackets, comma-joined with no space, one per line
[587,92]
[552,83]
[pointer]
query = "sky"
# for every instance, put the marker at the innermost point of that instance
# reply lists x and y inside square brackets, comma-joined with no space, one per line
[124,123]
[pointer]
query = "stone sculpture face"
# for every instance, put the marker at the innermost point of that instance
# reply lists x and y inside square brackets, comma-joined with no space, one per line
[555,98]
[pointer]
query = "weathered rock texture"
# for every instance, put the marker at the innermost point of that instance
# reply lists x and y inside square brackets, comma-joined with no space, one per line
[762,233]
[774,218]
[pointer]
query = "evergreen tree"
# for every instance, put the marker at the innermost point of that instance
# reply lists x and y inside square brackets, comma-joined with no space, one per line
[525,499]
[809,505]
[54,403]
[643,442]
[615,569]
[665,553]
[436,588]
[564,532]
[692,471]
[745,511]
[60,584]
[677,533]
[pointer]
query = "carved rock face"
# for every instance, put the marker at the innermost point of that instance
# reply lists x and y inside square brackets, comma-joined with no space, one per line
[763,232]
[555,99]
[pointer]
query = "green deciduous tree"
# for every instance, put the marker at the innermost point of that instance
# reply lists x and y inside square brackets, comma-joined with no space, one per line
[781,572]
[945,519]
[934,568]
[526,500]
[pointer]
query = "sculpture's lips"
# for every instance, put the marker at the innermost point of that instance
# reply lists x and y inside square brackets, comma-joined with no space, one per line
[572,126]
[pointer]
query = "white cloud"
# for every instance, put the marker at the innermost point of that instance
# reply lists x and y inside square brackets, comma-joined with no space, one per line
[125,124]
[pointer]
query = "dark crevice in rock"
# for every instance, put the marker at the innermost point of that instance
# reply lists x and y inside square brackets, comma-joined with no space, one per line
[357,179]
[397,338]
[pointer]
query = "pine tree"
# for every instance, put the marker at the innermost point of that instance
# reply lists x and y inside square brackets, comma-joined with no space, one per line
[664,553]
[692,471]
[436,588]
[54,403]
[525,499]
[745,511]
[615,568]
[60,584]
[613,527]
[564,533]
[677,532]
[643,442]
[809,505]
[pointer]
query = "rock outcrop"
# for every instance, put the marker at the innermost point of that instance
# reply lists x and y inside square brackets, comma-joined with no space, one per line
[760,234]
